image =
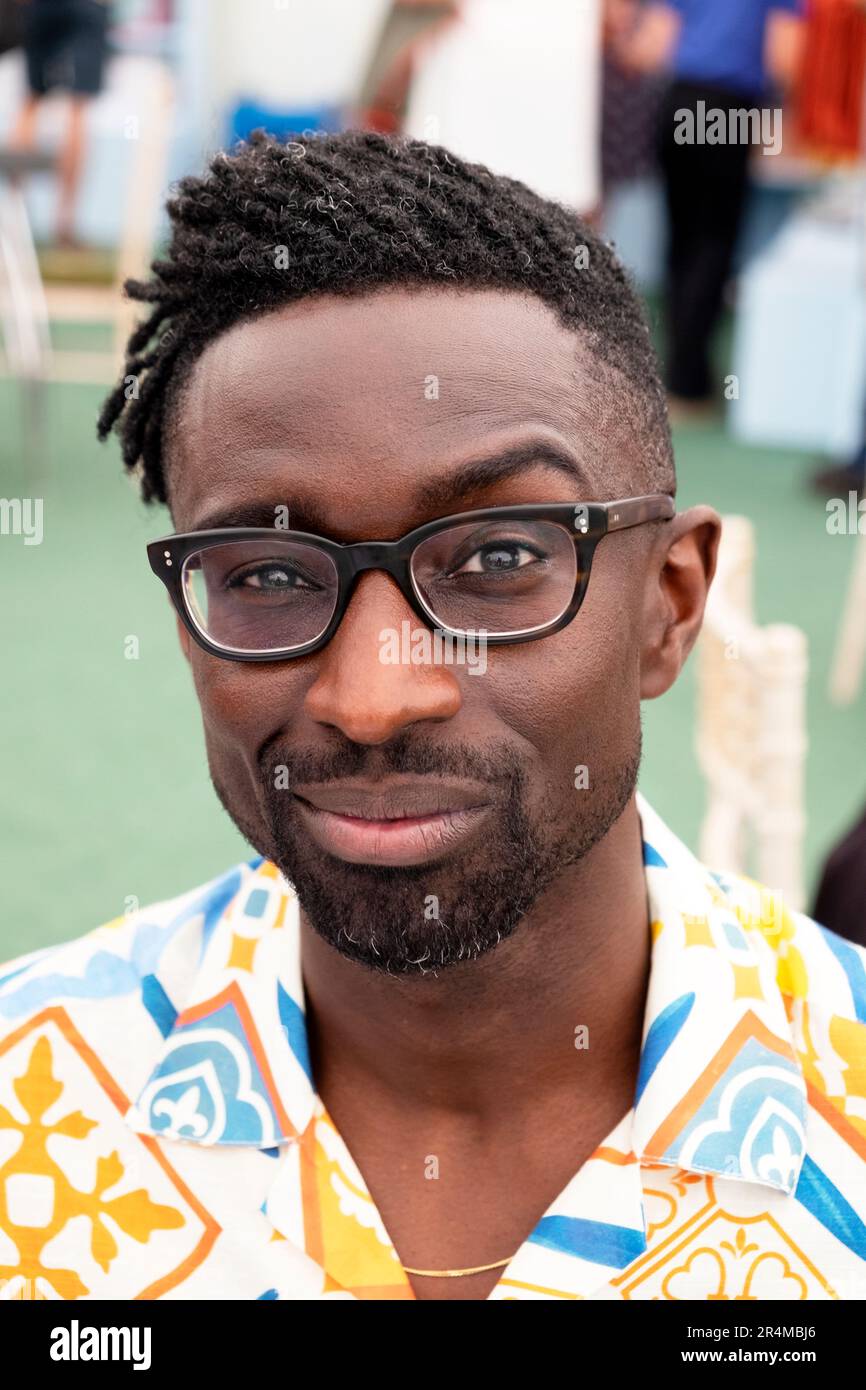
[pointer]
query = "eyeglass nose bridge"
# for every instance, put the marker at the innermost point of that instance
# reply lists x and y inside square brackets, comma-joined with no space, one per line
[391,557]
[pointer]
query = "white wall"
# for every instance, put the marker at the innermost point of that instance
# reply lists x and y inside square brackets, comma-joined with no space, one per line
[290,52]
[515,85]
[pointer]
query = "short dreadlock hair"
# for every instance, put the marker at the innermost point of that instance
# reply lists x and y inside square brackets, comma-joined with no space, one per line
[273,222]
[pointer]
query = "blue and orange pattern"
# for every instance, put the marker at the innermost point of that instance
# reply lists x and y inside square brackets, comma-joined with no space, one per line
[161,1135]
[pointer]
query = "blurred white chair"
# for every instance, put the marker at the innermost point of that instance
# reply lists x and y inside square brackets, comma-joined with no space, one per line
[23,311]
[751,729]
[22,300]
[142,203]
[28,305]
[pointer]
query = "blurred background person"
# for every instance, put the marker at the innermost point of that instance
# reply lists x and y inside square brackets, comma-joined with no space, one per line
[727,56]
[65,44]
[630,102]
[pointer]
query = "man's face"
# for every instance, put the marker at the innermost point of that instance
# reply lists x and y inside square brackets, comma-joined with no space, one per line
[357,415]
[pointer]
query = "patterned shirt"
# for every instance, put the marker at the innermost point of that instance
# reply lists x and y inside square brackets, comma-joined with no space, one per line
[161,1135]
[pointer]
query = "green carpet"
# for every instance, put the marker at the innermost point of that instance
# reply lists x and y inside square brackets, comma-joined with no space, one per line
[106,798]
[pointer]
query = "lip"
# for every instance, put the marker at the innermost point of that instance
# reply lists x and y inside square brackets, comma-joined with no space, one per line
[392,823]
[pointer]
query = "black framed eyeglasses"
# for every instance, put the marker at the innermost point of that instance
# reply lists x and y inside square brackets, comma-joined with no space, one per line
[507,574]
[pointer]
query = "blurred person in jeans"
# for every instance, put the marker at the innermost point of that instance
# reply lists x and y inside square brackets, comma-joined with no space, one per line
[65,44]
[728,55]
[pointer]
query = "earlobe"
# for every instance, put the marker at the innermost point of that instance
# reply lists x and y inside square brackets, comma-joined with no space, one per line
[677,585]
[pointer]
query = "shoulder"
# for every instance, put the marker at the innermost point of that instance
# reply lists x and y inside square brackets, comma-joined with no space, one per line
[150,952]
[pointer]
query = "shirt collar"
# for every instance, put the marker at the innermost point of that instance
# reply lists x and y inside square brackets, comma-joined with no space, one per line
[719,1089]
[234,1065]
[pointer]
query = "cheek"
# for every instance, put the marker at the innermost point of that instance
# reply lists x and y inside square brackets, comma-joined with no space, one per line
[242,704]
[574,698]
[582,678]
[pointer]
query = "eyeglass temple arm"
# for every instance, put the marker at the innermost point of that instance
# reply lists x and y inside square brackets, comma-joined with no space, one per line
[658,506]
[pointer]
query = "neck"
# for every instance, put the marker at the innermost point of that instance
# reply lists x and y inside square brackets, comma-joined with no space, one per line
[499,1033]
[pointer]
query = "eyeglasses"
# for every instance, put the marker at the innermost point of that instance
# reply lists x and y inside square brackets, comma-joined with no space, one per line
[507,574]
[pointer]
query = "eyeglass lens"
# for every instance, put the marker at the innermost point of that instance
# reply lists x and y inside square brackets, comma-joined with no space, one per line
[499,577]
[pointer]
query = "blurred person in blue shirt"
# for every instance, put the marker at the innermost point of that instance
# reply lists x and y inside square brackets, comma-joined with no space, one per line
[725,58]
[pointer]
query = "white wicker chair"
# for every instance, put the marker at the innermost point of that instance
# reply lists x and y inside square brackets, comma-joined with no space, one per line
[751,729]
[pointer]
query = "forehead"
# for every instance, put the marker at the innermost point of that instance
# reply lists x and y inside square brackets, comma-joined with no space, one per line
[380,395]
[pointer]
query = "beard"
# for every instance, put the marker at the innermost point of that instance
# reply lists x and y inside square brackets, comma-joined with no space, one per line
[419,919]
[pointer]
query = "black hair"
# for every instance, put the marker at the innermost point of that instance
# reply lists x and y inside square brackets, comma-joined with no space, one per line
[273,222]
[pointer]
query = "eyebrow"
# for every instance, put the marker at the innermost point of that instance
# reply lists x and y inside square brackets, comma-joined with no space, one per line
[302,516]
[439,493]
[496,468]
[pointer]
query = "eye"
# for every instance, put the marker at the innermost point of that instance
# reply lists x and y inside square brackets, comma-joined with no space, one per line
[498,557]
[273,578]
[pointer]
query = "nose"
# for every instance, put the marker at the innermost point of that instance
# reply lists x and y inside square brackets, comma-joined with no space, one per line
[360,689]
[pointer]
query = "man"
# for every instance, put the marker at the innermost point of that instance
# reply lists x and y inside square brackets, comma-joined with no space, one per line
[473,1023]
[722,58]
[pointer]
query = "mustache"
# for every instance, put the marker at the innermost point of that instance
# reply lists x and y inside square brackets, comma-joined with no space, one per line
[407,754]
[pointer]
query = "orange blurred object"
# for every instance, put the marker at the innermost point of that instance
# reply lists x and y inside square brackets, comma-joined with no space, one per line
[830,100]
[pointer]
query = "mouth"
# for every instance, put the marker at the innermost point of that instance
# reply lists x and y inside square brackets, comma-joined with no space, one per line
[392,823]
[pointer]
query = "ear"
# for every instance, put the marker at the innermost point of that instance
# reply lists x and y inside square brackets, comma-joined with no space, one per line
[678,580]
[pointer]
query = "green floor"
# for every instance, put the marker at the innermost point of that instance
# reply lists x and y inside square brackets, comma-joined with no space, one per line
[106,796]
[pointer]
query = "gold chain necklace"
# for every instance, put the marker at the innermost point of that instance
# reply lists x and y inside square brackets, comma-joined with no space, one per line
[455,1273]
